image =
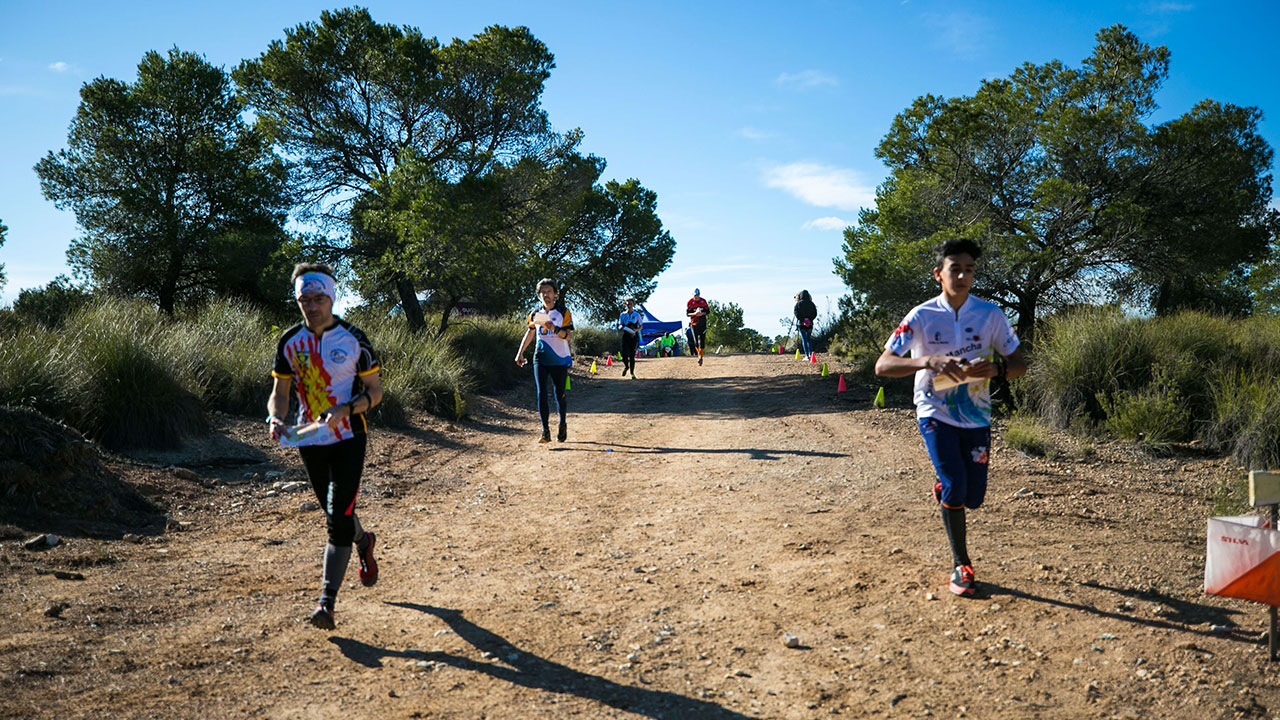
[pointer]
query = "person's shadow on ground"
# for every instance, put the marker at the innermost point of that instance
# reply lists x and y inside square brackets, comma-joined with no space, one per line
[1179,614]
[521,668]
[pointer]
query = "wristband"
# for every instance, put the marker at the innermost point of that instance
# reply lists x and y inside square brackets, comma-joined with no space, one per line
[276,418]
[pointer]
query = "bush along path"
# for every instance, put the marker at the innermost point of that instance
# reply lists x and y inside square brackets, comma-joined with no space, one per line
[725,541]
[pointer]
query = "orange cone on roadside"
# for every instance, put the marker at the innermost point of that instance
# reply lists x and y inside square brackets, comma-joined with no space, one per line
[841,387]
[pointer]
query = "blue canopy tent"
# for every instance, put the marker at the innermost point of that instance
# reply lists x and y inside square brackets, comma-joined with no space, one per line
[655,328]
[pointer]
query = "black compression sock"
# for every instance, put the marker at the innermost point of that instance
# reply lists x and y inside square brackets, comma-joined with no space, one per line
[954,522]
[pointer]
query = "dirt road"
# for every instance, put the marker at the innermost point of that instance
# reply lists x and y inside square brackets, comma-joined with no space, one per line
[649,568]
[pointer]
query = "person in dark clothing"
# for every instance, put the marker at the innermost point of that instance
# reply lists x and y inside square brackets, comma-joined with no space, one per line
[630,323]
[806,312]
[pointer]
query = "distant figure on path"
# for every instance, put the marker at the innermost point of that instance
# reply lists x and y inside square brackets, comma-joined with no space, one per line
[630,323]
[551,323]
[806,312]
[957,343]
[338,381]
[697,310]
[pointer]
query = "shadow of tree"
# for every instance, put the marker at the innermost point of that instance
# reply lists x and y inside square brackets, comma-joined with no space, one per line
[755,453]
[528,670]
[715,397]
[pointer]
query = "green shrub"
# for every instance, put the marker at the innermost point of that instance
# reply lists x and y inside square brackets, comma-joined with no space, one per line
[419,371]
[1162,380]
[117,382]
[1082,355]
[591,341]
[30,370]
[488,347]
[225,353]
[1155,415]
[1028,435]
[52,304]
[1246,422]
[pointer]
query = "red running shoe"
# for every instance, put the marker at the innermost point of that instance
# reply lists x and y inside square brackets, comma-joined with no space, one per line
[368,566]
[962,582]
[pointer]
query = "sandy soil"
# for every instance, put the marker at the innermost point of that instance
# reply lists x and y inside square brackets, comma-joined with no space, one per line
[647,568]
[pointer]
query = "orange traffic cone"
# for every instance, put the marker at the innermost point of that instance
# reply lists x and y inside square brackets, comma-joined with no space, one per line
[841,387]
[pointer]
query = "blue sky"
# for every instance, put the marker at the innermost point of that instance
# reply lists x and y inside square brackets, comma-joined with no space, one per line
[755,122]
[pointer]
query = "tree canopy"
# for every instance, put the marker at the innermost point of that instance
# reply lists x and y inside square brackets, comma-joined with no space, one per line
[178,199]
[441,164]
[351,99]
[1073,198]
[725,326]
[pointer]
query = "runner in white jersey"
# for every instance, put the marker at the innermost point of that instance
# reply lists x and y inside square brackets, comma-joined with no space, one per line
[957,343]
[335,372]
[630,325]
[550,323]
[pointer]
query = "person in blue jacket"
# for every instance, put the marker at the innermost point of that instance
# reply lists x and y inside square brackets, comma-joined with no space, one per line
[630,323]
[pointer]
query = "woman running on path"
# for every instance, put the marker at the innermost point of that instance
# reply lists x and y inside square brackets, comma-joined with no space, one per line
[957,343]
[337,383]
[697,310]
[551,324]
[630,324]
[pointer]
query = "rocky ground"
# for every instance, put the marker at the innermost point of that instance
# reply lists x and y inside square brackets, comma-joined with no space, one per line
[653,566]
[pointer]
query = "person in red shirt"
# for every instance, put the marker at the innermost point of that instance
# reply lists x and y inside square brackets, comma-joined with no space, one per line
[697,310]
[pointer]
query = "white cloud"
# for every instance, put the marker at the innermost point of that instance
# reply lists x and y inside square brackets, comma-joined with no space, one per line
[822,185]
[961,33]
[826,223]
[1173,7]
[807,79]
[755,134]
[59,66]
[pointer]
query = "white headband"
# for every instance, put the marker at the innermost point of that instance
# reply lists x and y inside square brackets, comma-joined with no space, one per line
[314,282]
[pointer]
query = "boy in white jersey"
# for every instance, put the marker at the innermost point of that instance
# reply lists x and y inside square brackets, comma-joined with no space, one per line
[957,343]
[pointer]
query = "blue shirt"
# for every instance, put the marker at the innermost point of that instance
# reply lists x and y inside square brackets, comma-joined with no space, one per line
[633,320]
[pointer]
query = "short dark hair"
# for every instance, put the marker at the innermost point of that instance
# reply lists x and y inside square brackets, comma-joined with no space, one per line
[304,268]
[955,246]
[547,281]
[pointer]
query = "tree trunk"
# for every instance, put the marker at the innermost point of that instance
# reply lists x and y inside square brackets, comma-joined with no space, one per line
[1026,327]
[167,296]
[409,303]
[444,316]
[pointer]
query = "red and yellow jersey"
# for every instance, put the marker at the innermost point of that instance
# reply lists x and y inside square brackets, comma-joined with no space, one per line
[327,372]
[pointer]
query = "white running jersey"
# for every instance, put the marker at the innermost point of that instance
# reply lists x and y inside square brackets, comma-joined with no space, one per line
[978,331]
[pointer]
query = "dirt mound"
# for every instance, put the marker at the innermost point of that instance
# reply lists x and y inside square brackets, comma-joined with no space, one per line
[52,478]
